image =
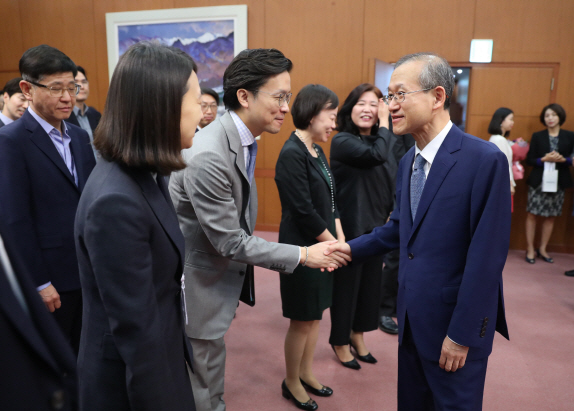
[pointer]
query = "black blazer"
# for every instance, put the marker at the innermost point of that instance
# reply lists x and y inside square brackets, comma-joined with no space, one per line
[2,124]
[306,209]
[39,198]
[38,366]
[93,115]
[539,147]
[133,347]
[365,167]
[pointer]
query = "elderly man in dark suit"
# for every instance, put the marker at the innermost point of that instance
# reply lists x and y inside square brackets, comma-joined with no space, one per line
[452,226]
[38,366]
[44,165]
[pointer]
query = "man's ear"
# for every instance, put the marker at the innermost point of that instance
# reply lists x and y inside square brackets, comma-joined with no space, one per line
[440,97]
[243,97]
[26,89]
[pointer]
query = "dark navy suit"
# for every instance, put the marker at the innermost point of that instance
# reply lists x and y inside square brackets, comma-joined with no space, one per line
[38,202]
[451,261]
[38,367]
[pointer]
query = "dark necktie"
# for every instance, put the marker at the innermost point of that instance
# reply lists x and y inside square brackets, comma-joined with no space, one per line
[252,155]
[418,179]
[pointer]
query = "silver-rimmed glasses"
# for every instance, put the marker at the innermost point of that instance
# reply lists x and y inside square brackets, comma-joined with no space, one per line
[58,91]
[399,97]
[281,98]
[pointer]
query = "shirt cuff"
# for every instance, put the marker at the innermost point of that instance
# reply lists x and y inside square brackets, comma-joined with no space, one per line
[539,162]
[569,161]
[40,288]
[454,341]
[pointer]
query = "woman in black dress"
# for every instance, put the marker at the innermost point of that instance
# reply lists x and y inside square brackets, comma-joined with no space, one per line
[365,196]
[554,146]
[308,215]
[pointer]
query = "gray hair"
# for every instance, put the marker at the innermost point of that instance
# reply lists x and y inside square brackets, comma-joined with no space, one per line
[436,72]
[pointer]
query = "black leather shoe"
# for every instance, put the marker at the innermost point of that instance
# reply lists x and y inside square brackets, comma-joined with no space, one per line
[323,392]
[547,259]
[309,405]
[353,364]
[529,260]
[569,273]
[388,325]
[365,358]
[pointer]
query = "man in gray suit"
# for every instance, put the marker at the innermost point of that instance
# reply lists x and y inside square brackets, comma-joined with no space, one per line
[216,201]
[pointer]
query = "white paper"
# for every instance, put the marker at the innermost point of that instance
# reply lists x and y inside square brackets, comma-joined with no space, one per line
[550,178]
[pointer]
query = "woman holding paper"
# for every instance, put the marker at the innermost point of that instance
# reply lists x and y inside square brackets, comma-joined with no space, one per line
[550,154]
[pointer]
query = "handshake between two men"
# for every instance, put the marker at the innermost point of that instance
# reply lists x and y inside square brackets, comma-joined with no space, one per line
[328,255]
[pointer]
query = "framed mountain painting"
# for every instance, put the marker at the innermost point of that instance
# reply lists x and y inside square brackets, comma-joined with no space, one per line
[212,36]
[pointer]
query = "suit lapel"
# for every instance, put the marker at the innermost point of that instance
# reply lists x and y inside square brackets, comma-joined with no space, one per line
[309,157]
[22,321]
[162,208]
[440,167]
[76,150]
[45,144]
[236,147]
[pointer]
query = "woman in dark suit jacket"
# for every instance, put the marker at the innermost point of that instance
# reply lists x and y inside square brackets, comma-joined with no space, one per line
[552,145]
[133,348]
[365,194]
[308,215]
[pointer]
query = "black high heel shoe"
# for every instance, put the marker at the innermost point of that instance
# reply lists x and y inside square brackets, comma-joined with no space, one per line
[309,405]
[365,358]
[353,364]
[323,392]
[529,260]
[547,259]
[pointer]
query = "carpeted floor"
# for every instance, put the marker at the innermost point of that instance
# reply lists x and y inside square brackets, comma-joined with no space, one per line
[534,371]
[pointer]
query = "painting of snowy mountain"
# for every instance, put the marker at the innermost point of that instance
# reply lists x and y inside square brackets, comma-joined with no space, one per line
[209,43]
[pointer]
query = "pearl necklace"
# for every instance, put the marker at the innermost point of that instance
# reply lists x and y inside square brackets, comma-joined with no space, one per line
[298,134]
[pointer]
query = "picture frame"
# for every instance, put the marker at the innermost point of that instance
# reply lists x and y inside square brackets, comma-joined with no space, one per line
[211,35]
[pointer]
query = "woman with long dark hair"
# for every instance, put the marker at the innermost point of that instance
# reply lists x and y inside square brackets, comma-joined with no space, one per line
[499,128]
[553,146]
[365,199]
[133,348]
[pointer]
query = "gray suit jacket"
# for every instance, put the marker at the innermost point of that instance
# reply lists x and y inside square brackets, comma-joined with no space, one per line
[211,197]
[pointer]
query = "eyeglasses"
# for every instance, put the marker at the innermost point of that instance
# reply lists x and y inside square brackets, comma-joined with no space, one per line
[205,106]
[281,98]
[58,91]
[400,96]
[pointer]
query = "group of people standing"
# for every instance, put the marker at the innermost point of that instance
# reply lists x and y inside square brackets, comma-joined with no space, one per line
[550,155]
[152,268]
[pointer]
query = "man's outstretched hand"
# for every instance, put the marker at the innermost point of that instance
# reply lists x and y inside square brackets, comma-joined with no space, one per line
[336,248]
[319,257]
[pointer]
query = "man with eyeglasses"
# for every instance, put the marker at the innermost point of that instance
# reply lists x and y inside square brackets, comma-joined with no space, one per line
[15,103]
[216,201]
[209,104]
[83,116]
[451,224]
[44,165]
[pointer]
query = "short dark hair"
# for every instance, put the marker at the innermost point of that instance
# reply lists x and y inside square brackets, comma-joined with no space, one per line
[140,126]
[436,72]
[81,70]
[497,119]
[310,101]
[557,108]
[344,120]
[211,92]
[250,70]
[44,60]
[12,86]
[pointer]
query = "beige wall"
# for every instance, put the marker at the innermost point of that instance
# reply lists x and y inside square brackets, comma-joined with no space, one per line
[332,42]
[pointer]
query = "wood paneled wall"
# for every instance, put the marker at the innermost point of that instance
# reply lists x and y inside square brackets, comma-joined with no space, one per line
[332,42]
